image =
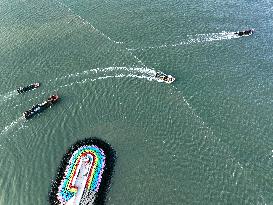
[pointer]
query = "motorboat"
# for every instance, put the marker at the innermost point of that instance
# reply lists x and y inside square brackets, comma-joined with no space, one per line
[162,77]
[245,33]
[38,108]
[28,87]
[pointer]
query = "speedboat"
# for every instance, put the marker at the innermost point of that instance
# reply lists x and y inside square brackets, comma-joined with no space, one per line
[38,108]
[245,33]
[162,77]
[29,87]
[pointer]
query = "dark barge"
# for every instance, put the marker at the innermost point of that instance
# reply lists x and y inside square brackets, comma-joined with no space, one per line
[38,108]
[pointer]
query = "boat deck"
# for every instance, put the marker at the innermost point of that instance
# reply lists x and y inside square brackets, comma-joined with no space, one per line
[80,179]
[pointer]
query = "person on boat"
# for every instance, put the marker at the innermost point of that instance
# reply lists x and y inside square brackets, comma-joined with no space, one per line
[248,32]
[242,33]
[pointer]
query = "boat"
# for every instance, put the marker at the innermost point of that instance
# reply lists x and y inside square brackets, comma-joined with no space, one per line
[162,77]
[245,33]
[38,108]
[84,175]
[27,88]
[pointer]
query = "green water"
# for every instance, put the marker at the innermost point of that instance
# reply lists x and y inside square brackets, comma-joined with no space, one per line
[205,139]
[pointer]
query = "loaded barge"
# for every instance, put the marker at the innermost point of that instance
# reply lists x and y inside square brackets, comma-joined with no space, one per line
[84,174]
[38,108]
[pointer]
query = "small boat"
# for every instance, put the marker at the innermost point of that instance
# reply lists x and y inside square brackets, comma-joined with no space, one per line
[162,77]
[38,108]
[245,33]
[29,87]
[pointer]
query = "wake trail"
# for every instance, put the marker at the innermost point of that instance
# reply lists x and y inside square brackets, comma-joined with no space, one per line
[198,38]
[203,123]
[111,72]
[12,125]
[85,22]
[145,72]
[96,74]
[142,74]
[139,73]
[99,71]
[7,96]
[149,78]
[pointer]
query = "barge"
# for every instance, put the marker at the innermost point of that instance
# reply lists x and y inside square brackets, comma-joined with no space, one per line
[38,108]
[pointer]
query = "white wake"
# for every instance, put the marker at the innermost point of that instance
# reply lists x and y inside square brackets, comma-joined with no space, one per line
[193,39]
[12,125]
[7,96]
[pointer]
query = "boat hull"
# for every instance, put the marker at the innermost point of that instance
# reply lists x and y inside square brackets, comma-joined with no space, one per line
[36,109]
[28,88]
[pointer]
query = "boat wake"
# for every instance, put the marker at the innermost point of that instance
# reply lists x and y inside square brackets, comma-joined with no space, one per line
[12,125]
[99,32]
[102,73]
[7,96]
[106,77]
[95,74]
[85,22]
[89,76]
[110,72]
[193,39]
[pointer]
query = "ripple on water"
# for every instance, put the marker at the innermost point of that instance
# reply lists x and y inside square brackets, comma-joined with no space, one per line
[168,151]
